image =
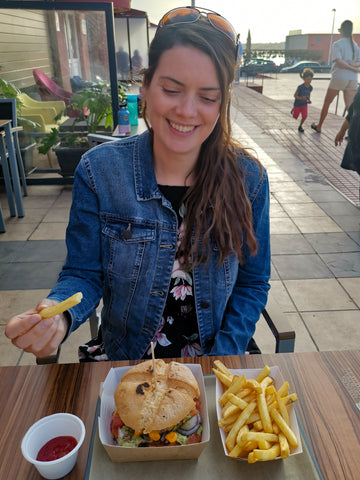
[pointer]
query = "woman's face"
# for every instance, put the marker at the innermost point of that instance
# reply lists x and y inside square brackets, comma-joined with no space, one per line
[183,102]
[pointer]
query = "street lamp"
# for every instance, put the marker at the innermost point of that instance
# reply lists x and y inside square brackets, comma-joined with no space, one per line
[332,32]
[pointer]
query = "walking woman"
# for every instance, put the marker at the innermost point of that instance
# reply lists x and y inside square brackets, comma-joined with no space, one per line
[344,72]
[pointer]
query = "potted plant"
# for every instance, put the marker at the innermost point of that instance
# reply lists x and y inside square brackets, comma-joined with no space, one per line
[27,143]
[69,149]
[90,110]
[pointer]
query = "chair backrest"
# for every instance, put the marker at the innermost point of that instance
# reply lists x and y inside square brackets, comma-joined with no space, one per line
[96,138]
[48,89]
[8,110]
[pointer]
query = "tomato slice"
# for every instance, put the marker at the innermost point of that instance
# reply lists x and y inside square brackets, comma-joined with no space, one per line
[115,424]
[194,438]
[196,409]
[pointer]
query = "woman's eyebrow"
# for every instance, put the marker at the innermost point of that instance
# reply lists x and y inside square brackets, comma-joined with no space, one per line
[182,84]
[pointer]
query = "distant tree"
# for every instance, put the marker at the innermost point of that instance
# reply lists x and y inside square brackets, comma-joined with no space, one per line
[248,47]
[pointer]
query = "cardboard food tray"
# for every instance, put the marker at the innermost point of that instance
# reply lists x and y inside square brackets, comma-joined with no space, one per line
[275,374]
[212,463]
[130,454]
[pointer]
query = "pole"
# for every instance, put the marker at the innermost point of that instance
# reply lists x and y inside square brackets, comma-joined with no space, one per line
[331,36]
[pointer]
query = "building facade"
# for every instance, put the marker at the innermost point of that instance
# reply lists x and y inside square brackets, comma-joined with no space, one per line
[311,46]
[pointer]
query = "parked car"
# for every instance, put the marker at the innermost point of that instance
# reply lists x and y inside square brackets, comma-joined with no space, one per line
[258,65]
[299,67]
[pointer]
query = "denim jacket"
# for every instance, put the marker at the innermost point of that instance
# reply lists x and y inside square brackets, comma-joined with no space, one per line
[121,241]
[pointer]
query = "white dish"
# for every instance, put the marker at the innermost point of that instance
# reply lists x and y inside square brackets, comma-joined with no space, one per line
[47,428]
[278,381]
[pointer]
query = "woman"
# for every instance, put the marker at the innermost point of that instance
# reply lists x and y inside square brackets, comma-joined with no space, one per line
[136,60]
[344,72]
[171,227]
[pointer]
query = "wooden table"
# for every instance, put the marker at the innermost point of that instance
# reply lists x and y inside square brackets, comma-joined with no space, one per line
[327,384]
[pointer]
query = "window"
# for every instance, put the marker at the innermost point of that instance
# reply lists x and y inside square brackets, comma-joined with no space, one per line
[66,41]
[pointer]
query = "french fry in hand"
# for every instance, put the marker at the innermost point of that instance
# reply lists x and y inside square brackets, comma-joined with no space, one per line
[61,307]
[255,416]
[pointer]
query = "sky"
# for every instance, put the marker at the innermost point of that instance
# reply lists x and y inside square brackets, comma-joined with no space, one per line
[268,20]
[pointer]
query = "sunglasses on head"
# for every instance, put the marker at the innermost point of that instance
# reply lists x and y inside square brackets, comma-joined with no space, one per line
[192,15]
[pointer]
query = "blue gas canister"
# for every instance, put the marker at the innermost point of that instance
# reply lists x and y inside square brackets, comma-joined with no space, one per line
[124,127]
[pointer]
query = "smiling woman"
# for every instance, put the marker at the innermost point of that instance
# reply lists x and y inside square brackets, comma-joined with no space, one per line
[179,107]
[170,227]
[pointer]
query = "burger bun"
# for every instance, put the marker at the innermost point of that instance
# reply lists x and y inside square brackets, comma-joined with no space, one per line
[145,405]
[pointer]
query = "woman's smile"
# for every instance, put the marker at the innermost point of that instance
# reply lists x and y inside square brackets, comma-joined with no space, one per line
[182,128]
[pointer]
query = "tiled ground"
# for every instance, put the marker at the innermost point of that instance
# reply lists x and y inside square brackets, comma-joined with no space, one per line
[316,151]
[315,236]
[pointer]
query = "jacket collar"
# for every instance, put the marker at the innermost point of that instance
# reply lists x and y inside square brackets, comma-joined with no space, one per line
[145,181]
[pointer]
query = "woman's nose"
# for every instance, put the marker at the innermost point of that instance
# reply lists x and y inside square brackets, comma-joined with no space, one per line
[187,106]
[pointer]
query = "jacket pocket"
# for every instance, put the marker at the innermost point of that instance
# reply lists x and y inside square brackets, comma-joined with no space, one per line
[127,248]
[129,231]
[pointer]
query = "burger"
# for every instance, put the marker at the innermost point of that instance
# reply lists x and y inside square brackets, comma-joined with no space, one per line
[158,408]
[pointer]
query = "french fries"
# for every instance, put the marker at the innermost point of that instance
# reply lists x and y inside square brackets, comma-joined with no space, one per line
[61,307]
[255,416]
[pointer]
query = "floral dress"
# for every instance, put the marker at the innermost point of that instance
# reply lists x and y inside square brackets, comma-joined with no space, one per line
[178,332]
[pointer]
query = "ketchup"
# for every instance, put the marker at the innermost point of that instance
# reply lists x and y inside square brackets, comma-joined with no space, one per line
[56,448]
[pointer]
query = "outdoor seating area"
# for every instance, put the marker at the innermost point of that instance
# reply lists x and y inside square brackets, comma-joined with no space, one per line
[193,283]
[315,239]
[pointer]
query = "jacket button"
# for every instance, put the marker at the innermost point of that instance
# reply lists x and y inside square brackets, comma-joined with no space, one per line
[204,304]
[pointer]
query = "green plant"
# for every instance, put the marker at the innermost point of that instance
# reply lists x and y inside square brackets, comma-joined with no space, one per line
[75,140]
[51,139]
[92,106]
[72,140]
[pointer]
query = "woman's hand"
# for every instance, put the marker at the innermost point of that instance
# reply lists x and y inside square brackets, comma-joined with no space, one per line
[33,334]
[347,66]
[341,133]
[339,138]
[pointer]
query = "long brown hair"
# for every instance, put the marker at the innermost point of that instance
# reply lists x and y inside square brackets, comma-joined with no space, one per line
[216,205]
[346,29]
